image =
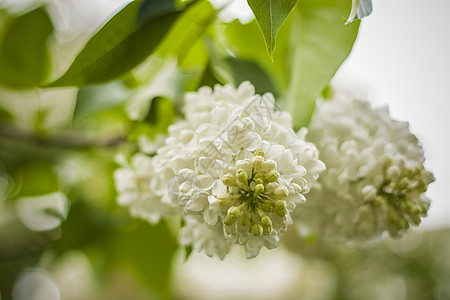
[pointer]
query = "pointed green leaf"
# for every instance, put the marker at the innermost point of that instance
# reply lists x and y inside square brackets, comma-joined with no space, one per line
[246,42]
[117,47]
[24,57]
[270,15]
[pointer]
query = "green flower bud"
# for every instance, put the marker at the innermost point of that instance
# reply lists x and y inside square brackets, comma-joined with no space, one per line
[386,161]
[259,152]
[228,179]
[280,208]
[234,212]
[229,220]
[415,219]
[378,201]
[272,176]
[256,229]
[266,207]
[393,173]
[224,199]
[404,183]
[259,181]
[266,221]
[259,188]
[267,230]
[242,176]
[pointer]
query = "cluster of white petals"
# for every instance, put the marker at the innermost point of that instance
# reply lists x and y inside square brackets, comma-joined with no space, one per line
[375,178]
[140,189]
[234,168]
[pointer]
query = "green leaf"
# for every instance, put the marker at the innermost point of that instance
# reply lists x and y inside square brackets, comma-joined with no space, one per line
[209,78]
[24,56]
[95,98]
[35,178]
[242,70]
[360,9]
[148,251]
[159,118]
[246,42]
[187,30]
[151,9]
[270,15]
[117,47]
[5,115]
[323,43]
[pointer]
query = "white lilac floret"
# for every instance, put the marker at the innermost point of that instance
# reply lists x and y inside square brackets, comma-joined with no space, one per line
[236,167]
[249,169]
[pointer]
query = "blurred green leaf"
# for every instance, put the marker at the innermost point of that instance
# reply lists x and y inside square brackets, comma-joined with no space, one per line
[4,16]
[116,241]
[85,226]
[161,112]
[120,45]
[209,77]
[24,56]
[187,29]
[12,267]
[160,116]
[151,9]
[147,250]
[35,178]
[95,98]
[323,43]
[188,251]
[270,15]
[242,70]
[5,115]
[193,66]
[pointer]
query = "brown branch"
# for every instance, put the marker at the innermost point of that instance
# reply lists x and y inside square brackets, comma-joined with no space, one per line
[60,138]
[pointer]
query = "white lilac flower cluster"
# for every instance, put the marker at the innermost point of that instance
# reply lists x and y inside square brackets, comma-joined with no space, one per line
[234,169]
[375,178]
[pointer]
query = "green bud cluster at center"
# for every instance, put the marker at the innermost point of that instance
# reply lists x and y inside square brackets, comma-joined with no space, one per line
[398,193]
[254,196]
